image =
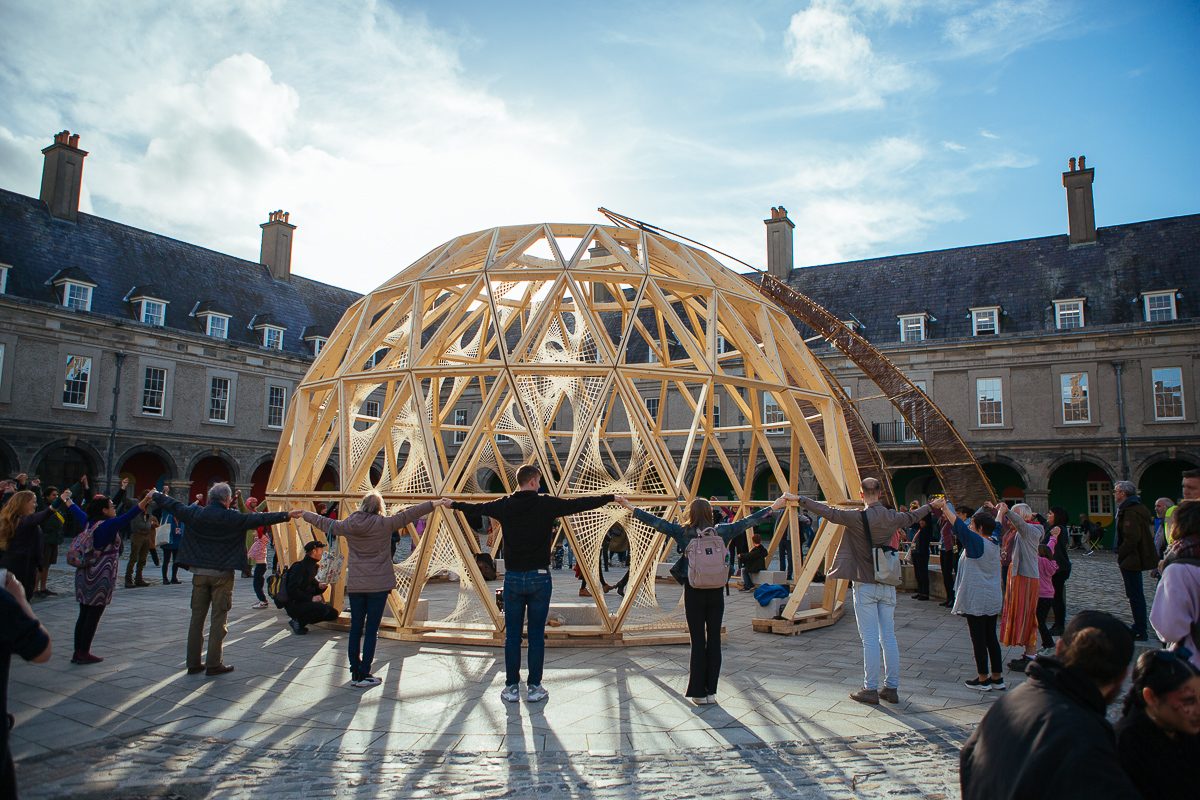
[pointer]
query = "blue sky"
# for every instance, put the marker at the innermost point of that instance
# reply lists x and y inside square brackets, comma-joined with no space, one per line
[385,128]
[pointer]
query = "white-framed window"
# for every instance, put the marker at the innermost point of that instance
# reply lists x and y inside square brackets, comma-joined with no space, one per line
[154,389]
[218,400]
[1168,392]
[716,415]
[990,401]
[4,268]
[376,358]
[77,381]
[218,326]
[1075,405]
[371,409]
[772,413]
[1,361]
[1068,313]
[651,356]
[1159,306]
[153,312]
[276,406]
[460,418]
[723,345]
[652,407]
[912,328]
[1100,499]
[317,345]
[272,338]
[77,296]
[985,321]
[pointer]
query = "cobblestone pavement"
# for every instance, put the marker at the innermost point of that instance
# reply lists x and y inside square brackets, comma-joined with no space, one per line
[156,766]
[286,723]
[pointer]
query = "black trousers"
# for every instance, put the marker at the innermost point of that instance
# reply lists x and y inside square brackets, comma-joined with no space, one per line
[984,642]
[260,580]
[704,608]
[1043,610]
[85,627]
[949,565]
[169,560]
[920,562]
[1060,596]
[307,612]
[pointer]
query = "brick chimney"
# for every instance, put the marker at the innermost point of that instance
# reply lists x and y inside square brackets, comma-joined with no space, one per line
[276,253]
[779,243]
[1081,215]
[62,176]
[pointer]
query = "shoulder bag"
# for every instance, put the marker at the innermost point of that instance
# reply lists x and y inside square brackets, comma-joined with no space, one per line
[884,560]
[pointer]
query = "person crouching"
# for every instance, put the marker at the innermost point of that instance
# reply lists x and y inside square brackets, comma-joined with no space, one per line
[306,604]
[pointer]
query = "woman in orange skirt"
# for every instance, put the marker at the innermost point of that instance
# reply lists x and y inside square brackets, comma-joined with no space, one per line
[1018,620]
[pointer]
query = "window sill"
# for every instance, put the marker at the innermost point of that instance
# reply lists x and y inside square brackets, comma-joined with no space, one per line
[217,422]
[1007,427]
[1076,425]
[1180,421]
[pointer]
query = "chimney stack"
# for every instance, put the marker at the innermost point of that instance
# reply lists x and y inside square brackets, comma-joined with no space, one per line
[62,175]
[1081,215]
[276,253]
[779,243]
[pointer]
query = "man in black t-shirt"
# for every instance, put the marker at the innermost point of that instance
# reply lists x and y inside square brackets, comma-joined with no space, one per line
[20,633]
[527,521]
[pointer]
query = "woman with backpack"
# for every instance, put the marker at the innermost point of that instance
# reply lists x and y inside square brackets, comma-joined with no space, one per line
[94,554]
[704,574]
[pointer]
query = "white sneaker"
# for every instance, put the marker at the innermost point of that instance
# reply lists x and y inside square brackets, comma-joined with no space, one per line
[511,694]
[712,699]
[536,693]
[259,605]
[367,682]
[699,701]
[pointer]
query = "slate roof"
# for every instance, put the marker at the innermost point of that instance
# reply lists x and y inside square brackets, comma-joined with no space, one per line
[118,258]
[1023,277]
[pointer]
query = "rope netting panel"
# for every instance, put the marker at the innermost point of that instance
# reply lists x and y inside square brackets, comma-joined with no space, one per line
[961,476]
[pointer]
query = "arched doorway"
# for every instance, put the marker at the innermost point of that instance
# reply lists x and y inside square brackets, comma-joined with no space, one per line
[258,481]
[208,470]
[715,483]
[62,467]
[7,470]
[1006,482]
[328,482]
[915,484]
[1162,479]
[1083,487]
[144,471]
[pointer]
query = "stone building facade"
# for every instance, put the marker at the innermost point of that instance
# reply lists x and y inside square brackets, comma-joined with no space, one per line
[124,353]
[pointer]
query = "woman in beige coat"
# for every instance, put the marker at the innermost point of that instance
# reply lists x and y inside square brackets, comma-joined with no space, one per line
[370,576]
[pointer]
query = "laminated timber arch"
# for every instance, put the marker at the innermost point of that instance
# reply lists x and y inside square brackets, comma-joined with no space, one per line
[589,350]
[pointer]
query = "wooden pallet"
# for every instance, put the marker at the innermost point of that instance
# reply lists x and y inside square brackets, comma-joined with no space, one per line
[815,617]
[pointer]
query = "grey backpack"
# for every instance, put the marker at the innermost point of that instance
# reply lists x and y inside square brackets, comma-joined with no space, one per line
[706,555]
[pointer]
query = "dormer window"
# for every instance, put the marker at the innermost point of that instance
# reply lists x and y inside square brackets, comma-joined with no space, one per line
[1159,306]
[1069,313]
[912,327]
[985,320]
[149,304]
[217,325]
[723,345]
[317,344]
[269,331]
[4,268]
[316,337]
[74,287]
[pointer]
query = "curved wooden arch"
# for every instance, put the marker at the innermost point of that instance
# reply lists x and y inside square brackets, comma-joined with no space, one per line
[611,332]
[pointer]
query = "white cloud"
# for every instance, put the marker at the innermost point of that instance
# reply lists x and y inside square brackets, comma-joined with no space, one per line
[1000,28]
[827,46]
[955,146]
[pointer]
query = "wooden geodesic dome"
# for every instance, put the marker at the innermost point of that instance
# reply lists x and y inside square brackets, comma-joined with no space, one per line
[593,351]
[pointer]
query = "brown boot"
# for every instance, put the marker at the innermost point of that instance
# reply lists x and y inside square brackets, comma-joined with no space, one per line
[889,694]
[868,696]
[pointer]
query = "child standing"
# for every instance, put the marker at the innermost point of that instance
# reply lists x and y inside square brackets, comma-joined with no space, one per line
[1046,569]
[258,554]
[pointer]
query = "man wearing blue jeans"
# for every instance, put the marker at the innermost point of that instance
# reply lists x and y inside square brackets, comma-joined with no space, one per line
[874,603]
[527,522]
[1135,551]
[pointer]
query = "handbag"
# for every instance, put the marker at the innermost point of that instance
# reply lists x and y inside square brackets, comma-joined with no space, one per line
[330,569]
[162,534]
[884,560]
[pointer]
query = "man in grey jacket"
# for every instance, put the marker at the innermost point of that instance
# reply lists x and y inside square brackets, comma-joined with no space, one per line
[874,603]
[213,548]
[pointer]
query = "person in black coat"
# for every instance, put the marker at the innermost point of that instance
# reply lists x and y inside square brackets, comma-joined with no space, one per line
[1048,738]
[1056,525]
[922,539]
[753,561]
[1158,736]
[306,604]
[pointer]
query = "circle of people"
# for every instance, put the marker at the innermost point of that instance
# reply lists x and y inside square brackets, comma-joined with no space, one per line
[1048,738]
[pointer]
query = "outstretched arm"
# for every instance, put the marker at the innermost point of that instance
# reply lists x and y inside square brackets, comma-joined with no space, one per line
[838,516]
[565,508]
